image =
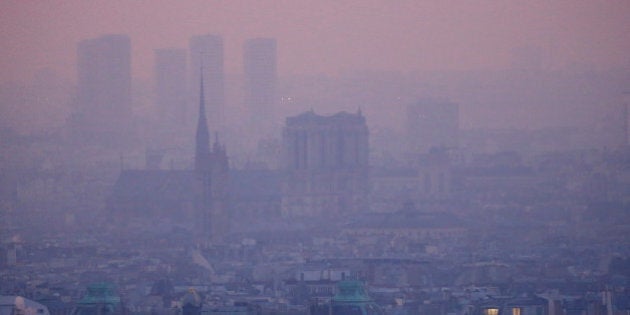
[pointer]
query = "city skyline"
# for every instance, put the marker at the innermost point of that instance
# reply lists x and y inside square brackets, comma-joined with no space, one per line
[314,157]
[327,37]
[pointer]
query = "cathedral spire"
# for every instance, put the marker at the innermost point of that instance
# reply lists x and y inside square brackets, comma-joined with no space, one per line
[202,140]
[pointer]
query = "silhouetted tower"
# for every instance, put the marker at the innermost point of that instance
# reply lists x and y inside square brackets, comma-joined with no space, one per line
[202,138]
[208,50]
[219,174]
[260,64]
[103,112]
[211,171]
[170,87]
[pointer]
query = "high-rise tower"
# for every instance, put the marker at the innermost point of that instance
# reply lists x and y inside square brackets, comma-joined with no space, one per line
[170,87]
[103,109]
[207,50]
[260,64]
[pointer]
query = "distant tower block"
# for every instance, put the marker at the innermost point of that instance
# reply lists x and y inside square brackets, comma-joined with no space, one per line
[170,87]
[326,164]
[259,59]
[206,52]
[104,90]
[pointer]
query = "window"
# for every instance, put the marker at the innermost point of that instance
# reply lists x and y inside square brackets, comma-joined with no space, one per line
[516,311]
[491,311]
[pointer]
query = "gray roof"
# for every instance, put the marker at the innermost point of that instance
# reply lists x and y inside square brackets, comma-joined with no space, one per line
[406,219]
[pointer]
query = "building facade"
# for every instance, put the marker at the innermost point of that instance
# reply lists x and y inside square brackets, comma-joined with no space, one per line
[326,164]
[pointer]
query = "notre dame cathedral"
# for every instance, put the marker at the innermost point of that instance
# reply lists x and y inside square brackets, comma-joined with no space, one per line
[196,198]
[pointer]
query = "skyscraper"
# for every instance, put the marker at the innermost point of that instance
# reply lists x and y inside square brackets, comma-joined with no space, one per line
[260,64]
[103,112]
[170,87]
[206,52]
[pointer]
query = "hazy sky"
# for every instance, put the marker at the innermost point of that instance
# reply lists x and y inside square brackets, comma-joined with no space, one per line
[322,36]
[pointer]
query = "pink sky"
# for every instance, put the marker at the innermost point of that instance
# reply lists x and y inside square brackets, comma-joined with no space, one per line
[322,36]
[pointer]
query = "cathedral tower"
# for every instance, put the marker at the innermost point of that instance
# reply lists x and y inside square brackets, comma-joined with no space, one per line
[202,138]
[211,172]
[326,165]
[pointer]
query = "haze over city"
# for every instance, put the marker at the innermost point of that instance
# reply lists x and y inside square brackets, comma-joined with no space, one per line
[329,37]
[314,157]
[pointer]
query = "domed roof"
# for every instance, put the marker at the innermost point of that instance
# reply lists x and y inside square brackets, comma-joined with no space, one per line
[191,298]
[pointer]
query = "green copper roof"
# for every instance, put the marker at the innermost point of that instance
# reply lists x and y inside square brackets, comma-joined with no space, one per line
[351,292]
[100,293]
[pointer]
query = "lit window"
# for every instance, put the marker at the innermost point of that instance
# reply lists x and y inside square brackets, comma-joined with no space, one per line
[516,311]
[491,311]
